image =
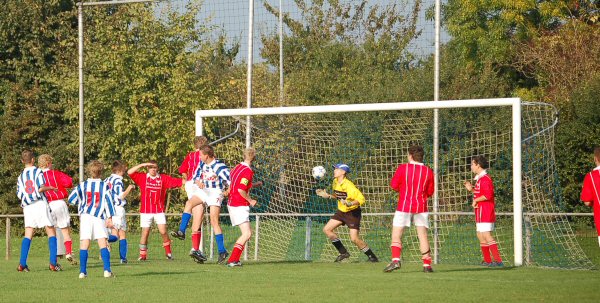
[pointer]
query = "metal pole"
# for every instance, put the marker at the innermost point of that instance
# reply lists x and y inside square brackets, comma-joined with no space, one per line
[517,183]
[308,240]
[256,237]
[436,142]
[250,61]
[281,102]
[81,149]
[7,256]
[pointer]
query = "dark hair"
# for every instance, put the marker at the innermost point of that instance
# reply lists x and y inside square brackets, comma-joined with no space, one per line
[597,153]
[27,156]
[200,141]
[481,161]
[118,166]
[208,150]
[416,152]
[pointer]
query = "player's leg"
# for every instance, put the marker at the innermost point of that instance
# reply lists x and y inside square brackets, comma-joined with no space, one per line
[101,235]
[52,248]
[215,212]
[122,244]
[396,247]
[362,245]
[240,243]
[45,219]
[422,225]
[198,217]
[487,236]
[144,244]
[161,222]
[25,245]
[62,220]
[193,202]
[328,229]
[485,248]
[84,245]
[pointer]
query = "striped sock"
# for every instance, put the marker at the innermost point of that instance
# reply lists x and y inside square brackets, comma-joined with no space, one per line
[236,253]
[105,258]
[167,246]
[485,250]
[83,256]
[367,251]
[52,247]
[339,245]
[196,240]
[25,245]
[396,251]
[143,251]
[495,252]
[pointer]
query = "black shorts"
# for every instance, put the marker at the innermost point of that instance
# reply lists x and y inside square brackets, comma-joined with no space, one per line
[351,218]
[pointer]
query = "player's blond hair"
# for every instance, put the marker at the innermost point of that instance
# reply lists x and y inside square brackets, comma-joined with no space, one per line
[44,161]
[249,153]
[95,169]
[27,156]
[199,141]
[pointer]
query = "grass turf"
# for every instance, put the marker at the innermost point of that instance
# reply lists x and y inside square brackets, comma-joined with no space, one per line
[182,280]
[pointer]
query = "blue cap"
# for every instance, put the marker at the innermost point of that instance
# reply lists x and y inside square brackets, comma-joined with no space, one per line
[343,167]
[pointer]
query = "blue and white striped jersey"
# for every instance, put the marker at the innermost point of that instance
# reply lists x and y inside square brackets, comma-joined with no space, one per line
[28,186]
[93,197]
[214,174]
[115,183]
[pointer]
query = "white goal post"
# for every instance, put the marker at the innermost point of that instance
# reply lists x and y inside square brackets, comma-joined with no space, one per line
[515,103]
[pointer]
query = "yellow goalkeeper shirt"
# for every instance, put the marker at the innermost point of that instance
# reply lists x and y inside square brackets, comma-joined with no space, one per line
[346,190]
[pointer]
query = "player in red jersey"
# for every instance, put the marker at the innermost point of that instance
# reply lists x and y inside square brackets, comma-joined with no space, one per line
[485,214]
[414,183]
[590,193]
[240,202]
[56,200]
[188,169]
[153,187]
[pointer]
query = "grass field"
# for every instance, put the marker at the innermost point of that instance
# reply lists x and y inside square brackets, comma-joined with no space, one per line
[182,280]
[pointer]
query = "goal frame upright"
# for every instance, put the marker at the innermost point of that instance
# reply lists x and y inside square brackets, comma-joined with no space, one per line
[514,103]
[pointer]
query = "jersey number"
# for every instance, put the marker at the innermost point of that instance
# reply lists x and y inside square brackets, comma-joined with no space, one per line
[29,187]
[89,199]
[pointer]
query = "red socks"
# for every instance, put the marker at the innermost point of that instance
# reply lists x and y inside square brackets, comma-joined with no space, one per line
[167,246]
[485,250]
[495,252]
[196,240]
[69,247]
[236,253]
[396,251]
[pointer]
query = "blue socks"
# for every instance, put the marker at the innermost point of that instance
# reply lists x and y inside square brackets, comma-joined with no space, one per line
[185,219]
[25,244]
[112,238]
[220,243]
[105,258]
[83,256]
[123,249]
[52,246]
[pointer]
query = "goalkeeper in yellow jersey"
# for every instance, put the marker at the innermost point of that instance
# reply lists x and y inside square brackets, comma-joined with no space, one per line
[350,199]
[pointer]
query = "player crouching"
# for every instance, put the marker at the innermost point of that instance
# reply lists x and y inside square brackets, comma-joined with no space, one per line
[95,206]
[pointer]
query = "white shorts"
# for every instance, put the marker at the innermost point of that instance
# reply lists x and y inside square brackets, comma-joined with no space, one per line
[239,214]
[210,196]
[37,215]
[119,220]
[60,214]
[146,219]
[402,219]
[483,227]
[91,228]
[191,188]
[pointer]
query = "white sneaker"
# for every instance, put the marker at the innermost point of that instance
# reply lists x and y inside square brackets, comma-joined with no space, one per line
[108,274]
[82,276]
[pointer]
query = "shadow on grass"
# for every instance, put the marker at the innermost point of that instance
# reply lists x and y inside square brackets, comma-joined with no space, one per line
[475,269]
[162,273]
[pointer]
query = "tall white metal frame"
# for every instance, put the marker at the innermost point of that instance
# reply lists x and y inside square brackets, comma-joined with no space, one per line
[515,103]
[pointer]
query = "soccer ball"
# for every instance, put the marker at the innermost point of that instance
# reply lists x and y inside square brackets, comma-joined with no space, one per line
[318,172]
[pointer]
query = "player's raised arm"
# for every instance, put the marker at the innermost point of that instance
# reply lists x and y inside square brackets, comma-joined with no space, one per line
[138,167]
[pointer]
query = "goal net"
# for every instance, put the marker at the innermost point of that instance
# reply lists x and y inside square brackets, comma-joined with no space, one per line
[373,142]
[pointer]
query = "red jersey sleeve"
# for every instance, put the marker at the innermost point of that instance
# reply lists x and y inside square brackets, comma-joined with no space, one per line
[185,165]
[487,188]
[138,178]
[587,192]
[397,179]
[429,187]
[64,180]
[246,180]
[170,182]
